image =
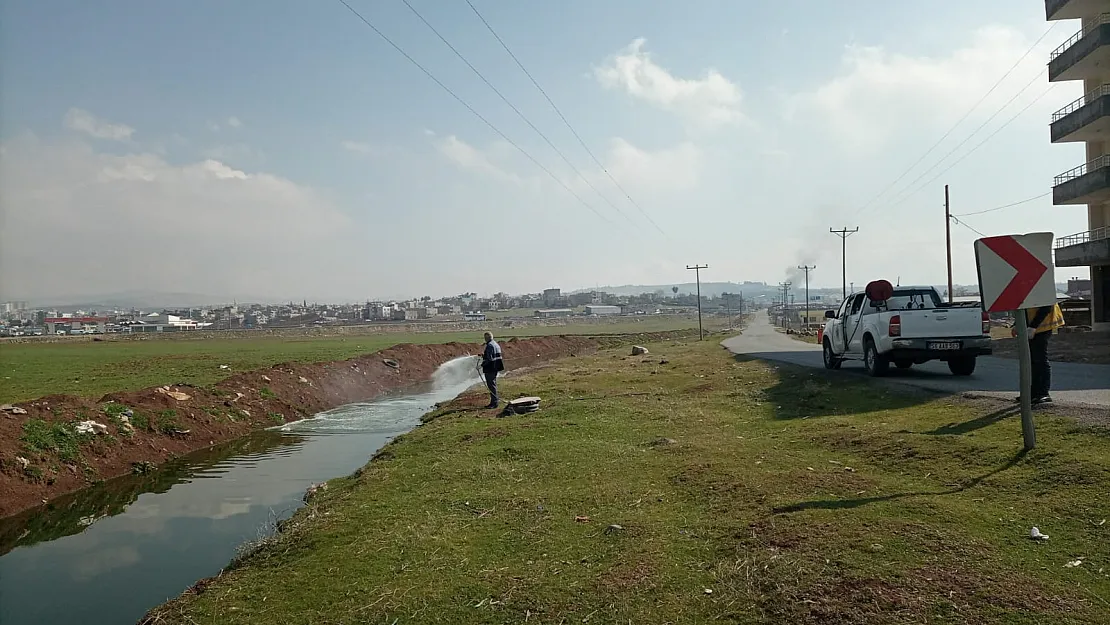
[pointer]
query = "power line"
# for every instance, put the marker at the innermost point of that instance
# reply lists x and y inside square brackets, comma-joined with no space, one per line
[515,109]
[558,112]
[961,120]
[998,208]
[977,146]
[967,226]
[473,111]
[973,133]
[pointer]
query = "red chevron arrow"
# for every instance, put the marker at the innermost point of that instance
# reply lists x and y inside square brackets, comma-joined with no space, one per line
[1029,271]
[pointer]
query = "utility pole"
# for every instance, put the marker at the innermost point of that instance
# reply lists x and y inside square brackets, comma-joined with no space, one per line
[844,233]
[728,311]
[697,273]
[807,269]
[785,298]
[948,240]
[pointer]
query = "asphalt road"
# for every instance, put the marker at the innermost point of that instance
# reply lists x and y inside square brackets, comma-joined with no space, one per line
[1072,383]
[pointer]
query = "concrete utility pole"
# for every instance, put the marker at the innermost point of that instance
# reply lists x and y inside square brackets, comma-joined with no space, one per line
[785,298]
[844,233]
[728,311]
[807,269]
[948,240]
[697,273]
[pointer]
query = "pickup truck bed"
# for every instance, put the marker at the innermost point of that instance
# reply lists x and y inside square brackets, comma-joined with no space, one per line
[912,327]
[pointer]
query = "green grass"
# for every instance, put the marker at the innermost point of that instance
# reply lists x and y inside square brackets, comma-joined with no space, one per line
[92,369]
[140,421]
[166,421]
[40,437]
[743,492]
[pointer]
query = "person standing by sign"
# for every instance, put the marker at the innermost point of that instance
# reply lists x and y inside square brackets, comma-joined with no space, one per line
[492,364]
[1042,322]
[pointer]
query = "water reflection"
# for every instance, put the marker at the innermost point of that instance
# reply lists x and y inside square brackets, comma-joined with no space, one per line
[109,554]
[72,514]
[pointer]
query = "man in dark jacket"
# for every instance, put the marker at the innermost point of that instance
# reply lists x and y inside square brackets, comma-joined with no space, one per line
[491,366]
[1041,322]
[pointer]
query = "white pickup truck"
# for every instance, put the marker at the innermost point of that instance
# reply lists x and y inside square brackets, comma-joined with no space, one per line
[913,326]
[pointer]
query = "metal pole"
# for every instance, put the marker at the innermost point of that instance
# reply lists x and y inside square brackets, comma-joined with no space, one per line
[1025,369]
[728,312]
[697,273]
[948,240]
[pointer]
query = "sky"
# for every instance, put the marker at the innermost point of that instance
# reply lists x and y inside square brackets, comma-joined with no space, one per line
[281,149]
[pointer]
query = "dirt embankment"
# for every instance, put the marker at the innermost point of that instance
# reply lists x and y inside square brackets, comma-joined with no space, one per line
[1085,347]
[42,456]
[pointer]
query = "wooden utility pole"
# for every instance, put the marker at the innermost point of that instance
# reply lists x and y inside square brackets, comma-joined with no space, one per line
[844,233]
[807,269]
[948,240]
[697,273]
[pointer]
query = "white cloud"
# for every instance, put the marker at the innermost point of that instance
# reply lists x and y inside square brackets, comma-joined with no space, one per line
[79,221]
[710,100]
[668,169]
[358,147]
[84,121]
[240,153]
[470,158]
[234,122]
[881,93]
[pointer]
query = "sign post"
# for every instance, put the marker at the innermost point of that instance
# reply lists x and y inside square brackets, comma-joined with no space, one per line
[1015,275]
[1025,375]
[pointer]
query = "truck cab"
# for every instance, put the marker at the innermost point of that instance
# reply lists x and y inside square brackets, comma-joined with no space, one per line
[912,326]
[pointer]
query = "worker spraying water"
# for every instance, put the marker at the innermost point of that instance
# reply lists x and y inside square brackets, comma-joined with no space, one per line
[491,365]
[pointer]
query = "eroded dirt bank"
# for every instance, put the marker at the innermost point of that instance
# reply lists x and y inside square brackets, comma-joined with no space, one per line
[43,456]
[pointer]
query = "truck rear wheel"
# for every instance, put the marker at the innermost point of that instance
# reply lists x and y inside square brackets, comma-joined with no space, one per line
[876,364]
[962,366]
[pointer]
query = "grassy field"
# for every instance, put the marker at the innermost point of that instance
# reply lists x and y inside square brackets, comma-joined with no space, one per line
[30,370]
[706,489]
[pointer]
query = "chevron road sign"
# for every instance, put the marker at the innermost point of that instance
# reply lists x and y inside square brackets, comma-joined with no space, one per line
[1015,271]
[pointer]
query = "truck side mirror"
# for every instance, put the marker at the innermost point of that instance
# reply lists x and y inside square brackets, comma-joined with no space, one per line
[830,314]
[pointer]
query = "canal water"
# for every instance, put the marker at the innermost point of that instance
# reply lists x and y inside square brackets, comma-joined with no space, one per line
[108,554]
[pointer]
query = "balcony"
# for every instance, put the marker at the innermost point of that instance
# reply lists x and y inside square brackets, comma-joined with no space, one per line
[1086,119]
[1071,9]
[1087,184]
[1082,54]
[1084,249]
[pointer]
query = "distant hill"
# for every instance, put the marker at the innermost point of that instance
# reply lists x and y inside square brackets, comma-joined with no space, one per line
[142,300]
[708,289]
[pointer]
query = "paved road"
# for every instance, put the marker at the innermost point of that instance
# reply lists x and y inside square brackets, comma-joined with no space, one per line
[1071,382]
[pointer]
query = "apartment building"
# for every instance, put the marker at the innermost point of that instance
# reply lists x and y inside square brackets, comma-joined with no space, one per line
[1085,56]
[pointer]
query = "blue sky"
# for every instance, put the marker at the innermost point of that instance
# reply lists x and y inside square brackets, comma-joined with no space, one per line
[280,149]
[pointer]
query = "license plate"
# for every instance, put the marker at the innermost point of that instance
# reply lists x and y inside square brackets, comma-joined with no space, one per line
[945,346]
